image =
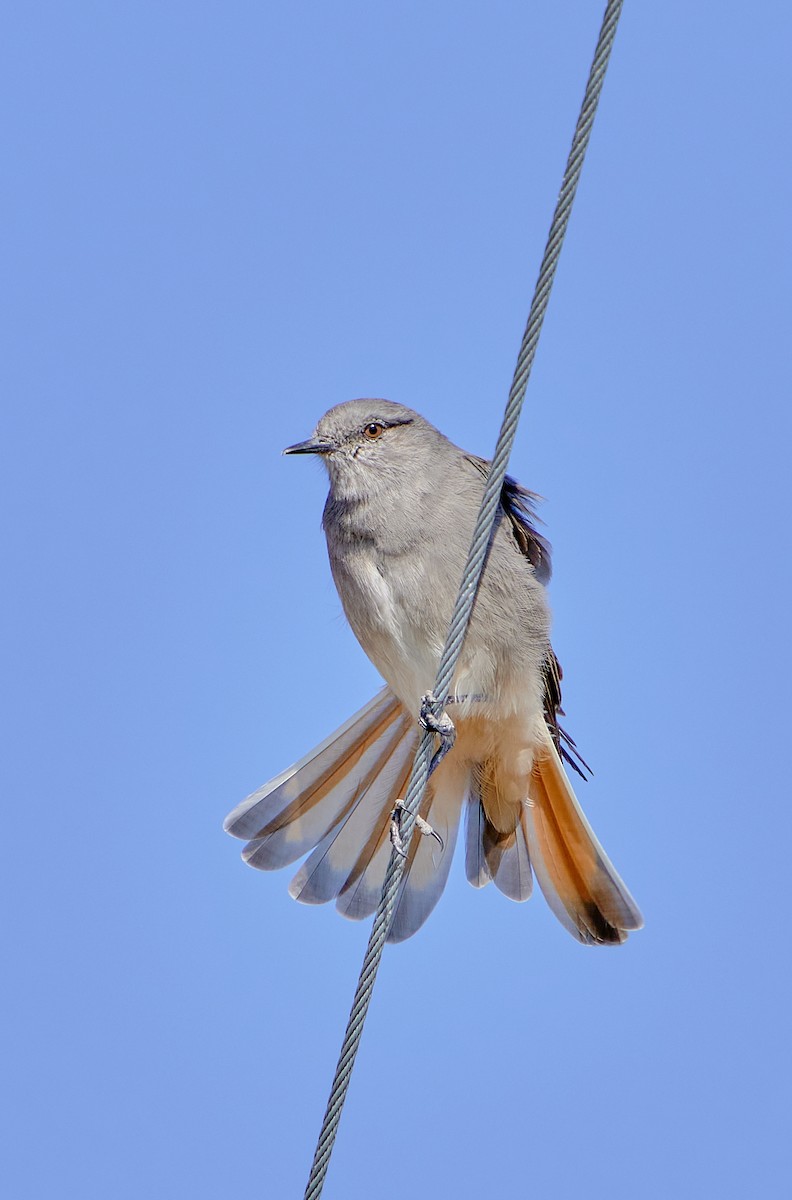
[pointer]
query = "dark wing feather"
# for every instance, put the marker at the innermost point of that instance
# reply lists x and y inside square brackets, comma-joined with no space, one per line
[564,744]
[519,505]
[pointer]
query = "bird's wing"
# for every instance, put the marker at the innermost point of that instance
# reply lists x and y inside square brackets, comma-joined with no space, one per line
[519,505]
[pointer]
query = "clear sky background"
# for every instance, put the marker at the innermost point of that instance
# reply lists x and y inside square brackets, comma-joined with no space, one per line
[217,221]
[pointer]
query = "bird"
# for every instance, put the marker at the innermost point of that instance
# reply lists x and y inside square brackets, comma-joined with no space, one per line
[398,520]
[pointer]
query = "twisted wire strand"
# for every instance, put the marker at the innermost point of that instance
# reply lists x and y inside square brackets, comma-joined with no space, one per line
[466,597]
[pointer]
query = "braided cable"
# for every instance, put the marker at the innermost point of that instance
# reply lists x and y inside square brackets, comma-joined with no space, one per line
[465,599]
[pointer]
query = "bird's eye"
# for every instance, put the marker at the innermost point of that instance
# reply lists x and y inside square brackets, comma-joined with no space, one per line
[373,430]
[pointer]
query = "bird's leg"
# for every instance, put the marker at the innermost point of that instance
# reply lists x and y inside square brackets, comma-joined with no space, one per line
[439,723]
[395,829]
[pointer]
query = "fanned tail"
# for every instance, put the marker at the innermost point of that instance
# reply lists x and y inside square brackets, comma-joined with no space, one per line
[335,806]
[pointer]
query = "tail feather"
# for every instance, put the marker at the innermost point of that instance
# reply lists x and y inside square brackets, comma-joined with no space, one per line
[578,880]
[426,871]
[509,861]
[288,816]
[476,866]
[430,860]
[360,895]
[362,794]
[342,856]
[497,855]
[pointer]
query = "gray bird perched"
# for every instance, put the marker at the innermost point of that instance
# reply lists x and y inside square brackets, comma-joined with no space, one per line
[398,519]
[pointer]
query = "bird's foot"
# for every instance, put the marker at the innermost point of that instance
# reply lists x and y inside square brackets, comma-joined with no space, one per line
[395,829]
[437,721]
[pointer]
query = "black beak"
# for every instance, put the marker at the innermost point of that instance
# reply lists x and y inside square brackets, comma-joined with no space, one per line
[309,448]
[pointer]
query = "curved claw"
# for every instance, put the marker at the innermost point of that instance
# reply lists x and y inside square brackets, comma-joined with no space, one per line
[395,829]
[427,831]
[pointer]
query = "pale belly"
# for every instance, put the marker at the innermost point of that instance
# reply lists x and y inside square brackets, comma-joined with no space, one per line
[486,704]
[391,632]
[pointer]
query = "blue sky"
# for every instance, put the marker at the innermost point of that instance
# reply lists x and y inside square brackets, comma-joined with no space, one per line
[218,220]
